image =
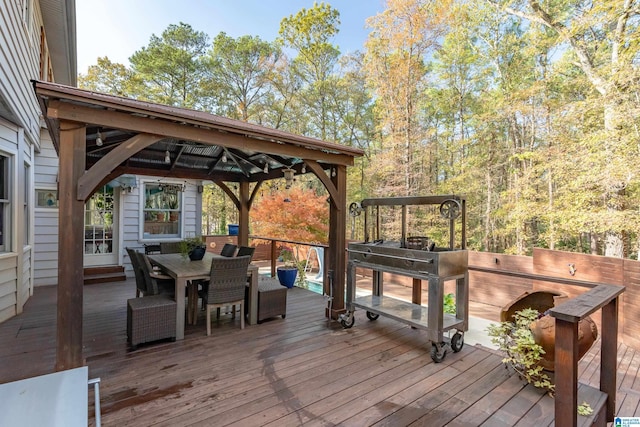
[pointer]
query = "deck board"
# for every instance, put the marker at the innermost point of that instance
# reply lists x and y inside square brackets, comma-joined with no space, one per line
[287,372]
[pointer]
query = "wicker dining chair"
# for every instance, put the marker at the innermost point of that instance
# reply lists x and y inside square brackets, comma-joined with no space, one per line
[246,250]
[228,250]
[226,286]
[141,282]
[157,283]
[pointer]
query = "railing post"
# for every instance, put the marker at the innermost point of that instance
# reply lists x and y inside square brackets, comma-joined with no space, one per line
[273,258]
[566,373]
[609,355]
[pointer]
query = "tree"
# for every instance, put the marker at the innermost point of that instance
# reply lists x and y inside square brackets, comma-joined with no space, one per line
[296,214]
[402,37]
[602,39]
[172,66]
[239,71]
[309,33]
[109,77]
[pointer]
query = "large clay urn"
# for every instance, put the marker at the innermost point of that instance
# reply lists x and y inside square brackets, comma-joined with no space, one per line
[544,329]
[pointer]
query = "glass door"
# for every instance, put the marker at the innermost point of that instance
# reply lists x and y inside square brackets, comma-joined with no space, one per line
[100,225]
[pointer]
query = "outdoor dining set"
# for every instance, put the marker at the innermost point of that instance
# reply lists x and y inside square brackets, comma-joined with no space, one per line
[220,281]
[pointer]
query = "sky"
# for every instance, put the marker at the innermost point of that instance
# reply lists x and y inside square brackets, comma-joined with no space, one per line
[118,28]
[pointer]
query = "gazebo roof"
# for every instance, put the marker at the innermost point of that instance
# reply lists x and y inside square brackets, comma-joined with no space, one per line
[199,145]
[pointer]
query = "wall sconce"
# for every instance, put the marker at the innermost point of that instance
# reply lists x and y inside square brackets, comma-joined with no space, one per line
[304,168]
[288,177]
[99,139]
[200,189]
[167,157]
[224,157]
[266,167]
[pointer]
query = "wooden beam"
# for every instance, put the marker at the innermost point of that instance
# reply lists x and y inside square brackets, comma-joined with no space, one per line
[229,193]
[70,247]
[243,215]
[90,180]
[609,355]
[254,193]
[337,238]
[324,178]
[114,119]
[566,373]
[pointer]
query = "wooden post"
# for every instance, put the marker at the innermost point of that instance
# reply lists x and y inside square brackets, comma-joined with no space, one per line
[609,355]
[337,238]
[70,247]
[566,373]
[273,258]
[243,215]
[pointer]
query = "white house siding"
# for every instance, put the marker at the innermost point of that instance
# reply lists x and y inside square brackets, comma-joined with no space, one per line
[19,63]
[46,219]
[8,295]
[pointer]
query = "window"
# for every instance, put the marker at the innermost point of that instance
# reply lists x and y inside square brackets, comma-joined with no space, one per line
[46,199]
[162,210]
[5,204]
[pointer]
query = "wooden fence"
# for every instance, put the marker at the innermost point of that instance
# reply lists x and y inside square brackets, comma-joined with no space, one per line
[496,279]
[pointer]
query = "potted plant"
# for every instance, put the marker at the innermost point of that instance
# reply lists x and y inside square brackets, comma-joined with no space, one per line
[193,247]
[288,272]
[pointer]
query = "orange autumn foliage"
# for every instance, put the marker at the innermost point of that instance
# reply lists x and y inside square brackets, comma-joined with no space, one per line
[304,218]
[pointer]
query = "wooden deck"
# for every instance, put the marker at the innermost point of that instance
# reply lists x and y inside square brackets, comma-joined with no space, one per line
[300,370]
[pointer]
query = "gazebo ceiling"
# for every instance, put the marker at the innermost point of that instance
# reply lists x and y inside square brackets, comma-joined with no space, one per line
[193,144]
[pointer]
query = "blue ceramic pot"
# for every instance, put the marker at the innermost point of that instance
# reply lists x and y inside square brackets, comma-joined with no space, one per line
[287,276]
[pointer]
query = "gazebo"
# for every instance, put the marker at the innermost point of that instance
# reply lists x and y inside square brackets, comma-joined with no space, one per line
[158,140]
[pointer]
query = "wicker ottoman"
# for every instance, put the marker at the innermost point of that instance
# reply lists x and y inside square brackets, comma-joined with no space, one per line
[150,318]
[272,299]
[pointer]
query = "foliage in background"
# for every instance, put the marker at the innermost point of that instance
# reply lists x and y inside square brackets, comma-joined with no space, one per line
[523,354]
[304,217]
[531,109]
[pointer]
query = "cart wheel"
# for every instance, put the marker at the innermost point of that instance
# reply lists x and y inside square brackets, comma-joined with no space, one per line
[450,209]
[372,316]
[457,341]
[347,320]
[438,354]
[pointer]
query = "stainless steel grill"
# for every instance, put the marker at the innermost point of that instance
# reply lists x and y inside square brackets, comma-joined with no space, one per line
[417,257]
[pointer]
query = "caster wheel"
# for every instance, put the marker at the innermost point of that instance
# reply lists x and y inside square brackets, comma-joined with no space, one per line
[372,316]
[347,321]
[438,353]
[457,341]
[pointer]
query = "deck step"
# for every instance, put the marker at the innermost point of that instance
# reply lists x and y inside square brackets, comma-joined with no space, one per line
[104,274]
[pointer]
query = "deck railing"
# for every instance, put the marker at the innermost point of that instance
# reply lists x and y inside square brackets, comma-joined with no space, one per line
[567,316]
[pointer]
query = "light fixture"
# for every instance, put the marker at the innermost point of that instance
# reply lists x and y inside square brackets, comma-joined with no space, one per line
[333,172]
[288,177]
[266,167]
[224,157]
[99,139]
[304,168]
[167,157]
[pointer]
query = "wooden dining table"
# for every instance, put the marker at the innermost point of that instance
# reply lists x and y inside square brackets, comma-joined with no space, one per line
[183,270]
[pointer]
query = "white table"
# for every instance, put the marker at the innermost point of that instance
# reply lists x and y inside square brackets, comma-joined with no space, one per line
[182,270]
[58,399]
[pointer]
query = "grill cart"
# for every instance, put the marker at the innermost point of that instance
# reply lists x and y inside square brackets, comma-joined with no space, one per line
[417,257]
